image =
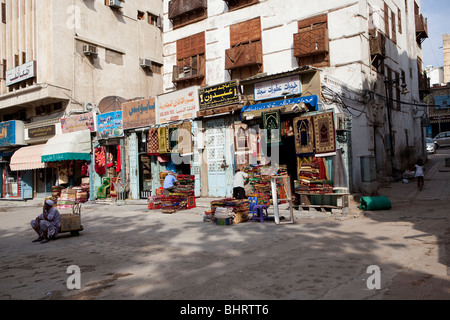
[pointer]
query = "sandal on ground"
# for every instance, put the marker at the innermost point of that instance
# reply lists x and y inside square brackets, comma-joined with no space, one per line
[45,241]
[38,239]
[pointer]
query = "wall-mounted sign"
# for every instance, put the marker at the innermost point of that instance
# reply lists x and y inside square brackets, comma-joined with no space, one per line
[442,101]
[79,122]
[11,133]
[218,95]
[178,105]
[42,132]
[278,88]
[21,73]
[110,125]
[139,113]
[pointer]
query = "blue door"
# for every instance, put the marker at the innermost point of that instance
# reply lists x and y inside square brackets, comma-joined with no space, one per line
[215,149]
[27,184]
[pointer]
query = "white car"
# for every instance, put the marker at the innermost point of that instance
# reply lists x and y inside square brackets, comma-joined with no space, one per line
[431,147]
[442,139]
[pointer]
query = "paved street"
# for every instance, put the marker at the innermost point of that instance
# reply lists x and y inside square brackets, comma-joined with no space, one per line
[127,252]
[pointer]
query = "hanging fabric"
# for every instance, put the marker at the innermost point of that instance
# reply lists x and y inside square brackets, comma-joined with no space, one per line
[163,139]
[272,123]
[119,163]
[173,139]
[100,160]
[304,136]
[152,142]
[324,135]
[185,139]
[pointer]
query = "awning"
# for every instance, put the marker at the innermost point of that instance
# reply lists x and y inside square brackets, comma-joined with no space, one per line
[27,158]
[285,106]
[68,146]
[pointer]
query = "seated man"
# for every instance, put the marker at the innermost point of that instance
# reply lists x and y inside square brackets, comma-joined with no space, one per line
[169,183]
[47,224]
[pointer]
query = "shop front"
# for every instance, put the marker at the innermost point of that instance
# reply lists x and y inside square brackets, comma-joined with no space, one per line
[219,107]
[138,117]
[108,156]
[172,141]
[291,135]
[14,185]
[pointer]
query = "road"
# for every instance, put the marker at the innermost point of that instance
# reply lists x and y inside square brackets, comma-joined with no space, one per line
[127,252]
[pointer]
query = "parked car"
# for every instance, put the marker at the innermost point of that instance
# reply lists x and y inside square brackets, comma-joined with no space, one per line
[431,147]
[442,139]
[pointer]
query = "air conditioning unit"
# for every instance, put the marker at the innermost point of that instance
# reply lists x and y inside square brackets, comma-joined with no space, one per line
[89,50]
[145,63]
[89,107]
[117,4]
[340,122]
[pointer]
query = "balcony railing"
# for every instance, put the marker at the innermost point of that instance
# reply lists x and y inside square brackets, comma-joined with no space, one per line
[179,8]
[244,55]
[424,83]
[311,42]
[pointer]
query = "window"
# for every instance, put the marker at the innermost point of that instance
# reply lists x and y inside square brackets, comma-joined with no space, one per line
[3,74]
[237,4]
[4,12]
[153,19]
[141,15]
[394,29]
[311,43]
[386,21]
[16,60]
[244,59]
[191,62]
[24,57]
[400,29]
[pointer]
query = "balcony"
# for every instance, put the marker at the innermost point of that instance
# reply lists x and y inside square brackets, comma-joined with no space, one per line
[178,8]
[181,74]
[421,28]
[378,46]
[237,4]
[244,55]
[424,85]
[311,42]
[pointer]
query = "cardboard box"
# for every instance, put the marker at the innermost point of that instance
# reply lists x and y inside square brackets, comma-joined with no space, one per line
[70,222]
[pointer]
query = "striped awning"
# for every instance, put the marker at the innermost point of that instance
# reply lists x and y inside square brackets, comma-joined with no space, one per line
[27,158]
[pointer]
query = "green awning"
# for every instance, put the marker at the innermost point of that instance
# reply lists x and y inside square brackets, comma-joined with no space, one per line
[68,146]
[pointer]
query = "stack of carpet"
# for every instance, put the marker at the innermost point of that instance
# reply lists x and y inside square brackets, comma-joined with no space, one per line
[238,207]
[82,193]
[67,198]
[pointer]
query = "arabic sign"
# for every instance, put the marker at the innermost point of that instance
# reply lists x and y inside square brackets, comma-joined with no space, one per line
[78,122]
[42,132]
[178,105]
[278,88]
[218,95]
[11,133]
[139,113]
[20,73]
[110,125]
[313,101]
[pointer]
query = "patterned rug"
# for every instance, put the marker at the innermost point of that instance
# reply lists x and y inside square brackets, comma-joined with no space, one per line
[153,143]
[272,123]
[304,135]
[324,136]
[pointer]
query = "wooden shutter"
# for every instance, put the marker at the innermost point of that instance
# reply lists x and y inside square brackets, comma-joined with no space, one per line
[386,20]
[244,32]
[191,46]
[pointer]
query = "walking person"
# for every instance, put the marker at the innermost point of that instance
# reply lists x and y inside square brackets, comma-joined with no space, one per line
[419,174]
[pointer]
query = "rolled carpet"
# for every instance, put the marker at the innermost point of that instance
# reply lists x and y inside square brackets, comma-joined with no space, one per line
[375,203]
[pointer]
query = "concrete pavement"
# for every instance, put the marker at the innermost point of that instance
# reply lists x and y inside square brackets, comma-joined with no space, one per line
[127,252]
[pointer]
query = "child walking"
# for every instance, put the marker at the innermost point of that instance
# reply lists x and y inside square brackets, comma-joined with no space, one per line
[419,174]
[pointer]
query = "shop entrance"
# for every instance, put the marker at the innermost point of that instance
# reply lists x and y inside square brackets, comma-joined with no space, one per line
[215,147]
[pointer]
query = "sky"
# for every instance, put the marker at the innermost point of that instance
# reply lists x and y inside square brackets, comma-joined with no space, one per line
[438,14]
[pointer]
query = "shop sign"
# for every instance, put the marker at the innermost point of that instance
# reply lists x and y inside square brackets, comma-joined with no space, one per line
[41,132]
[11,133]
[278,88]
[178,105]
[21,73]
[139,113]
[110,125]
[79,122]
[218,95]
[310,100]
[440,118]
[442,102]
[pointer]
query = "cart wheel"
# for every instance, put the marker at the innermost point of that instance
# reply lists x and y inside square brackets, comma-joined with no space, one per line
[74,233]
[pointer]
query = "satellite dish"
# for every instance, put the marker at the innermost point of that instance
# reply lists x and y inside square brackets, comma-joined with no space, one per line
[110,104]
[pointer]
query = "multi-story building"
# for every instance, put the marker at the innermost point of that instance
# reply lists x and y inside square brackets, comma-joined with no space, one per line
[66,57]
[362,59]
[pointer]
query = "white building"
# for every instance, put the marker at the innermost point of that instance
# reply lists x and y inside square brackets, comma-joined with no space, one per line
[363,49]
[435,74]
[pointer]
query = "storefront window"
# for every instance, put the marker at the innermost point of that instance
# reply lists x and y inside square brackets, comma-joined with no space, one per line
[10,182]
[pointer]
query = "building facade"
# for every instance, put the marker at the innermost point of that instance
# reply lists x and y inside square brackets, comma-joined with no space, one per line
[367,55]
[66,58]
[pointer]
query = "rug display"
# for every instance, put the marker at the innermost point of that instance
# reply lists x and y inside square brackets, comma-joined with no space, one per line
[100,160]
[163,140]
[324,135]
[304,135]
[152,142]
[185,139]
[173,139]
[272,123]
